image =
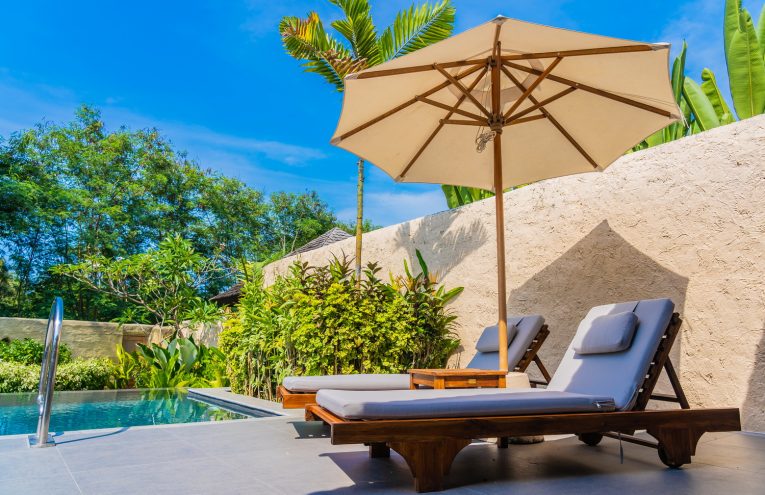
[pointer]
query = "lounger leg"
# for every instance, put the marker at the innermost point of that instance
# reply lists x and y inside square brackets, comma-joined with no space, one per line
[676,445]
[379,450]
[503,442]
[429,461]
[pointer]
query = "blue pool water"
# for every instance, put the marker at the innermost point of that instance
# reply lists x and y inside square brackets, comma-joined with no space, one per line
[110,408]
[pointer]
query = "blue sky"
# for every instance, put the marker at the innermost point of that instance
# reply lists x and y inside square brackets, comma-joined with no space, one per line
[214,78]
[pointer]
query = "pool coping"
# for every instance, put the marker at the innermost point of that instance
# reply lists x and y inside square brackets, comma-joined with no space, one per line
[224,397]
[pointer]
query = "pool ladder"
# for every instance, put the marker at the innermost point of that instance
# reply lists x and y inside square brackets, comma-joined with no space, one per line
[48,375]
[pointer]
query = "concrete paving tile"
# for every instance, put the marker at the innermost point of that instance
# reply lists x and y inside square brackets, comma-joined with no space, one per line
[27,463]
[99,452]
[289,456]
[40,485]
[179,476]
[749,441]
[12,444]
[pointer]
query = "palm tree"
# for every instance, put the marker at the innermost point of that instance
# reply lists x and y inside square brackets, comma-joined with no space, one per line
[360,47]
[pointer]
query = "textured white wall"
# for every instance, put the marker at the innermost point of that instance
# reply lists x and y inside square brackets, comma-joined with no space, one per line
[685,220]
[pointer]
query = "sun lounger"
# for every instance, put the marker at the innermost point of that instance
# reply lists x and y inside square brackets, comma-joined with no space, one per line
[601,388]
[528,333]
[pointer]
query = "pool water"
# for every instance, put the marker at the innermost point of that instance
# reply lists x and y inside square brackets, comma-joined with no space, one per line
[109,409]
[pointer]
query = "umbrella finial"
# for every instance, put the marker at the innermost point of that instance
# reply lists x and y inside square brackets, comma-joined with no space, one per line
[500,19]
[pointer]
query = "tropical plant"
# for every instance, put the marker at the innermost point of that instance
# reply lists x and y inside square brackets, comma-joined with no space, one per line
[461,195]
[744,46]
[306,39]
[164,282]
[30,351]
[704,105]
[318,320]
[126,368]
[176,363]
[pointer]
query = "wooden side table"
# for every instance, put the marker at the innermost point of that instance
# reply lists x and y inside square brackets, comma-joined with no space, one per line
[457,378]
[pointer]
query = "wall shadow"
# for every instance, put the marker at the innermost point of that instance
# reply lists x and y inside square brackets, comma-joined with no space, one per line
[441,247]
[753,408]
[601,268]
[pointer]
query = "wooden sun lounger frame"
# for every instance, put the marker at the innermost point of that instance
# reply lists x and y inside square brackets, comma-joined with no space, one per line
[298,400]
[430,445]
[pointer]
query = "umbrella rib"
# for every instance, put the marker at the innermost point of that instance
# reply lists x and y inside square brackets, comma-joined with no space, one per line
[463,122]
[527,119]
[440,126]
[552,120]
[438,104]
[582,52]
[596,91]
[463,89]
[542,103]
[532,87]
[496,39]
[416,68]
[407,103]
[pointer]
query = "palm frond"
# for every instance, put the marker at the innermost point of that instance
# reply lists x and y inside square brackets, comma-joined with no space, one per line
[417,28]
[306,39]
[359,29]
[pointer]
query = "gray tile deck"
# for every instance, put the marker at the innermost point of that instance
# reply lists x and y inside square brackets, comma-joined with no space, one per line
[285,455]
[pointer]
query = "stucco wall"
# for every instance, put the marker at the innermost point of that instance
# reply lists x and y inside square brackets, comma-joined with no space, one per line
[86,339]
[685,220]
[89,339]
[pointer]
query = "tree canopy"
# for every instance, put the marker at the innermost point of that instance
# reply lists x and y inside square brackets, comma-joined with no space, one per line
[76,190]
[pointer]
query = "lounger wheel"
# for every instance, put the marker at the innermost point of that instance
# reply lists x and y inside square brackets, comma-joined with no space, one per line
[664,459]
[591,439]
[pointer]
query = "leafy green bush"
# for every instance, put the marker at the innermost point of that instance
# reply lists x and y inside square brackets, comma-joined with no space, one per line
[15,377]
[85,374]
[181,362]
[30,351]
[316,320]
[80,374]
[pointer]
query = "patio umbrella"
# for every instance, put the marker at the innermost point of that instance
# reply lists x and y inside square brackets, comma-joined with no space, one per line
[550,102]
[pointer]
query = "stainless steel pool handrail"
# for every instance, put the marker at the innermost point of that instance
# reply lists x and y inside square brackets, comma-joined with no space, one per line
[48,375]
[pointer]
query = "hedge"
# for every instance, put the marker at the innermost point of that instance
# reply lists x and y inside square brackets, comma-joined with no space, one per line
[80,374]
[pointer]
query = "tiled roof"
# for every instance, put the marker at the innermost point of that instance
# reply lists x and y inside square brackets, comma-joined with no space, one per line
[331,236]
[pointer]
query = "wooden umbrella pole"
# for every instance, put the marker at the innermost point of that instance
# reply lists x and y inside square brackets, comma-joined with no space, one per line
[497,122]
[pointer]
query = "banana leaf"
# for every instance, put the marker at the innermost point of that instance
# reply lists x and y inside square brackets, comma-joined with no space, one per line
[761,31]
[730,23]
[702,108]
[712,92]
[746,70]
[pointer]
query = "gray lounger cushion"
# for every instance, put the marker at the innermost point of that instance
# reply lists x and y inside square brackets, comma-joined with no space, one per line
[453,403]
[312,384]
[608,333]
[618,375]
[489,339]
[527,327]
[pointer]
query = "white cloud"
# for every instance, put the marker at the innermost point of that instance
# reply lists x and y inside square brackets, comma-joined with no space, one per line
[195,137]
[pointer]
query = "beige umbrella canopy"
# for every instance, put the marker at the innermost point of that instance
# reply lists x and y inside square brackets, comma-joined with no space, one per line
[543,102]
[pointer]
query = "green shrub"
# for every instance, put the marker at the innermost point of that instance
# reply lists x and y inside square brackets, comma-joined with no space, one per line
[30,351]
[317,321]
[85,374]
[80,374]
[15,377]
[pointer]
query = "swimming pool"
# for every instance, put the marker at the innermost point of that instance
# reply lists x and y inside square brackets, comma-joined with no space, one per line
[112,408]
